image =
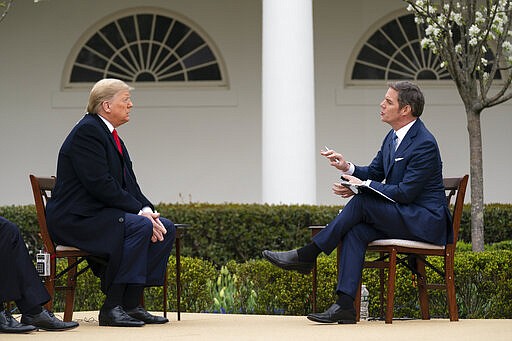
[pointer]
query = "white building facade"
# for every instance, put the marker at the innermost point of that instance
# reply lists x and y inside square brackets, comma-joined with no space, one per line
[234,98]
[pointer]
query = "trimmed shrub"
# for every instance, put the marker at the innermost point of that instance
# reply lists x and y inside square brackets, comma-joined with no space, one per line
[223,232]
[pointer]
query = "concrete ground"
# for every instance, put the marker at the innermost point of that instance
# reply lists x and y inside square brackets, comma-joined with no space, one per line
[271,327]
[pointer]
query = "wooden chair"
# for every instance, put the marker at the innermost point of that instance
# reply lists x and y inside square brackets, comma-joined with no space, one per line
[399,251]
[42,188]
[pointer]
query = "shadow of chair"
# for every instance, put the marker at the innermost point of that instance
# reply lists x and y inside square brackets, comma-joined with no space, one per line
[42,189]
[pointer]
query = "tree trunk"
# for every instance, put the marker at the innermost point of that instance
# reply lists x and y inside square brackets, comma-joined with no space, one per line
[476,179]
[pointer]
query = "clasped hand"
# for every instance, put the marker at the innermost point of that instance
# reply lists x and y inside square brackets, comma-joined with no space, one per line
[158,228]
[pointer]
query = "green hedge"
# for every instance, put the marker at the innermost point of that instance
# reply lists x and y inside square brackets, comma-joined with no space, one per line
[483,285]
[497,219]
[241,231]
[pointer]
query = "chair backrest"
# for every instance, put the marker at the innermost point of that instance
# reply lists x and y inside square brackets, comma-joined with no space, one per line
[456,187]
[42,189]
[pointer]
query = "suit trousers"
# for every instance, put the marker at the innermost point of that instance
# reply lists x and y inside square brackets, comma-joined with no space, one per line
[365,218]
[144,262]
[20,282]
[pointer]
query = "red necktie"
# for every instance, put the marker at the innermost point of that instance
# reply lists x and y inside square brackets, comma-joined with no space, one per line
[118,142]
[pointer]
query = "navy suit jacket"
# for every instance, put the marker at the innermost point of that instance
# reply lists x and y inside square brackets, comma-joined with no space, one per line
[413,178]
[95,186]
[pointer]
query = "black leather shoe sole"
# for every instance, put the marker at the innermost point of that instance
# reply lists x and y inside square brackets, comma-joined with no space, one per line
[142,315]
[18,330]
[321,319]
[110,323]
[301,267]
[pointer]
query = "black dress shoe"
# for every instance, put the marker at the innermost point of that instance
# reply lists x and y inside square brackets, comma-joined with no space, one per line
[335,314]
[141,314]
[288,260]
[117,317]
[8,324]
[47,321]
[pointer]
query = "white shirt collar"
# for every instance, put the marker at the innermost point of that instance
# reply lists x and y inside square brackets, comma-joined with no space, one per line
[400,133]
[109,125]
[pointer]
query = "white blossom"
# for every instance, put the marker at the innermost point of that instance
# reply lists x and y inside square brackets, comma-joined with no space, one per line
[429,30]
[484,61]
[419,20]
[474,30]
[479,17]
[507,46]
[458,48]
[457,18]
[427,43]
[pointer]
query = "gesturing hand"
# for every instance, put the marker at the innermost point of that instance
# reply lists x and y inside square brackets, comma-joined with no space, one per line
[335,159]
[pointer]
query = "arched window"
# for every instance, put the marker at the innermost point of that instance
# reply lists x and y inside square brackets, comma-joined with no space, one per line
[394,52]
[147,47]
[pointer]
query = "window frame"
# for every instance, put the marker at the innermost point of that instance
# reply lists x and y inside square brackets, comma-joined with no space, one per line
[223,83]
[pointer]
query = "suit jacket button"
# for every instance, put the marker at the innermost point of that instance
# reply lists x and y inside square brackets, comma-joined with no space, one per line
[121,220]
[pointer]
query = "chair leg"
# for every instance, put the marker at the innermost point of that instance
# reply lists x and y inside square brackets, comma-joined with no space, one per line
[178,274]
[357,302]
[70,290]
[165,293]
[314,280]
[49,283]
[381,288]
[391,286]
[422,289]
[450,288]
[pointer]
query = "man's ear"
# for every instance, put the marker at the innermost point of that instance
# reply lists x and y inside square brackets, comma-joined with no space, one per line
[407,110]
[105,106]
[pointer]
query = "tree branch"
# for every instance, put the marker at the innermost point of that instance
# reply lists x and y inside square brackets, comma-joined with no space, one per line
[7,7]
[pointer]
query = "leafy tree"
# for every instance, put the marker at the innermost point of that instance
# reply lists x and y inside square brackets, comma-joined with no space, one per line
[472,38]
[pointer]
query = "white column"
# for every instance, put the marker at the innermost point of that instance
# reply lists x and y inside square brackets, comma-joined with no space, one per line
[288,103]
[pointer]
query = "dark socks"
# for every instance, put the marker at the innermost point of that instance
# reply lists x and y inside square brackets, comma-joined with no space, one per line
[34,310]
[345,301]
[114,296]
[132,296]
[309,252]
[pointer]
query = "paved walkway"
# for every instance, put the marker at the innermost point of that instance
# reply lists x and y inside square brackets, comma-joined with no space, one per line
[224,327]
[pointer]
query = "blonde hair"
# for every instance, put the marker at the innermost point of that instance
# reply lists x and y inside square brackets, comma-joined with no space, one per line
[105,90]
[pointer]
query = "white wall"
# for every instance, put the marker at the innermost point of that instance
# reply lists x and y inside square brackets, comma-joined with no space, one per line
[208,146]
[347,117]
[209,143]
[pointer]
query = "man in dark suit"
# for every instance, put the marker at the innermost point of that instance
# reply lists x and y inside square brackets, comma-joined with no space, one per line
[98,207]
[21,283]
[408,170]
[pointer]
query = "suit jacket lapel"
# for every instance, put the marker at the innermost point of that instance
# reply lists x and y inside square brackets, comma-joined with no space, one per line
[406,142]
[109,134]
[409,137]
